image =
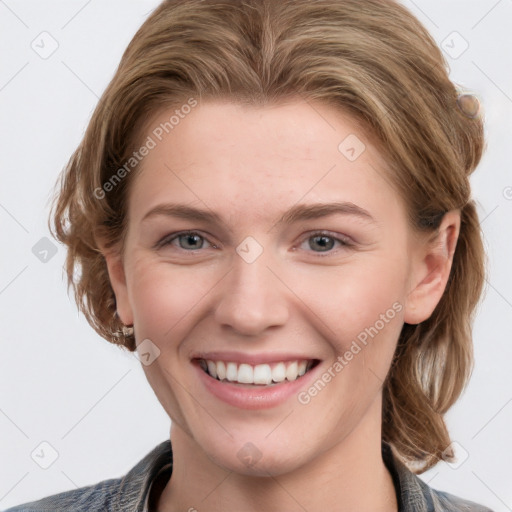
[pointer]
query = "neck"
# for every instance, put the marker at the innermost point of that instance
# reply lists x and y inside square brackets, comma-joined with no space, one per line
[350,476]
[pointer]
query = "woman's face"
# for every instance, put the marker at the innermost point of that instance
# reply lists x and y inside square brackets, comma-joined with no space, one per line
[300,251]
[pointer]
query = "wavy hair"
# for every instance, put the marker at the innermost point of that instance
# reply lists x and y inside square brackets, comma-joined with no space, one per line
[374,61]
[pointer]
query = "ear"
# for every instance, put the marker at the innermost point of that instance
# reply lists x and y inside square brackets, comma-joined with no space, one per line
[116,273]
[431,269]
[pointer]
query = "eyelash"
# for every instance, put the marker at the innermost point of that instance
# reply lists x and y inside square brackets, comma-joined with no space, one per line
[343,241]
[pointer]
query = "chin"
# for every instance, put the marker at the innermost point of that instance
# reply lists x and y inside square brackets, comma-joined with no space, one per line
[263,465]
[260,457]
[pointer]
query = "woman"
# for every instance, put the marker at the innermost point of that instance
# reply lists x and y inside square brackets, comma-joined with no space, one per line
[271,204]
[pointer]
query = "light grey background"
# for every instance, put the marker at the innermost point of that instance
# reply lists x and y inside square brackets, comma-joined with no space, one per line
[62,384]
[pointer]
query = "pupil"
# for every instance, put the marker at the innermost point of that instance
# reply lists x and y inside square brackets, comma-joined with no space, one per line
[191,238]
[322,241]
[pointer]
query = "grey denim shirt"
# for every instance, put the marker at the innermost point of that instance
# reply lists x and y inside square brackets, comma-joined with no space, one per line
[132,491]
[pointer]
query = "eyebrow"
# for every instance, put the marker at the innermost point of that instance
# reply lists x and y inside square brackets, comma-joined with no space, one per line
[296,213]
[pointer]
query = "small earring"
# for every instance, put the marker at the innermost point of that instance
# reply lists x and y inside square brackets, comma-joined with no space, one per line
[469,104]
[127,330]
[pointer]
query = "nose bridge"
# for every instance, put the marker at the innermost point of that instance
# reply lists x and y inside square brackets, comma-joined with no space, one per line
[252,297]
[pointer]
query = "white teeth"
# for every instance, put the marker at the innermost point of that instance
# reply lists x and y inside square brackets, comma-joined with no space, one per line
[221,370]
[292,371]
[262,374]
[279,372]
[231,372]
[245,374]
[212,368]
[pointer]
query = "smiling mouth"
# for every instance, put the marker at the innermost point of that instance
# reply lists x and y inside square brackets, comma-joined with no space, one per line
[268,374]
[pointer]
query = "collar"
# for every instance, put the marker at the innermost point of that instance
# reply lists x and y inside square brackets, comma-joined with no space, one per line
[413,495]
[134,488]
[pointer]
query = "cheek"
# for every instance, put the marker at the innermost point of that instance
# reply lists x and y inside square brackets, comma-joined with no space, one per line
[164,298]
[359,305]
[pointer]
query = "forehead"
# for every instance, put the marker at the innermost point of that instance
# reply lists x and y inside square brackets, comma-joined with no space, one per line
[248,160]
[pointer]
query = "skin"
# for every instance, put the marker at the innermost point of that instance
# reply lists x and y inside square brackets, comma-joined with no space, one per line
[249,165]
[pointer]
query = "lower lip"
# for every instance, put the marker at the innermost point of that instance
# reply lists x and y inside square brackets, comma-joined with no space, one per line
[257,397]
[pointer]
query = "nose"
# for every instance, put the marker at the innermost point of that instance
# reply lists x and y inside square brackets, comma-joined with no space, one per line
[253,297]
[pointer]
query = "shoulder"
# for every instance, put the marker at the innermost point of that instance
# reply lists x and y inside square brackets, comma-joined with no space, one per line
[440,501]
[436,500]
[451,503]
[415,495]
[115,494]
[93,497]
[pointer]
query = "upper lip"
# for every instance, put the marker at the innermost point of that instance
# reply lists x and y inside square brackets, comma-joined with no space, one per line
[252,359]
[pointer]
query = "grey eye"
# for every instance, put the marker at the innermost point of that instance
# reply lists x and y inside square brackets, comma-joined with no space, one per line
[190,241]
[323,242]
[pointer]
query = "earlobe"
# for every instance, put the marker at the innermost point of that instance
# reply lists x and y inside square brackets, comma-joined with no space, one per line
[431,270]
[117,276]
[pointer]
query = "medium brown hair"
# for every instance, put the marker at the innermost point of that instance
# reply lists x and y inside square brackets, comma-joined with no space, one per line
[373,60]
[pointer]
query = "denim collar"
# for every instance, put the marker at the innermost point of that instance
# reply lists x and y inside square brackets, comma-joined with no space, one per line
[413,494]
